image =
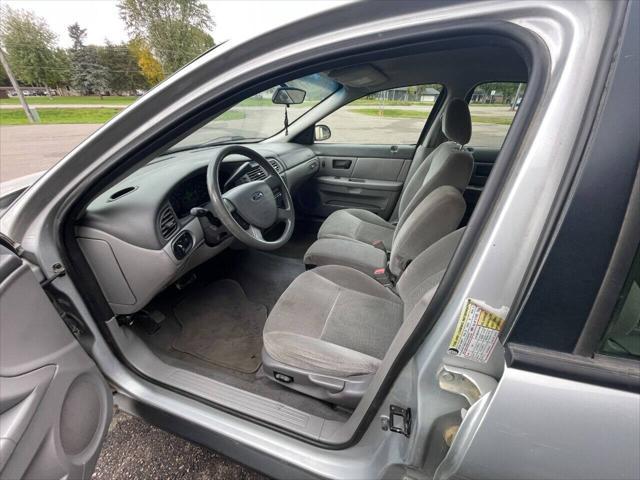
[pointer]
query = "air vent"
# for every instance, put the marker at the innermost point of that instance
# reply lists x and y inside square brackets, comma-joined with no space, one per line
[258,173]
[275,165]
[168,222]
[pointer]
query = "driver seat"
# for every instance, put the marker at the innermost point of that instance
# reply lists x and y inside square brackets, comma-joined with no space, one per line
[330,330]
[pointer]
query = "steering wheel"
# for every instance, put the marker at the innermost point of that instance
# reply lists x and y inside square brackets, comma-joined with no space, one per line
[248,209]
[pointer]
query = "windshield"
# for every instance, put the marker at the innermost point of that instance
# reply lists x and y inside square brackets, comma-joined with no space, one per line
[257,117]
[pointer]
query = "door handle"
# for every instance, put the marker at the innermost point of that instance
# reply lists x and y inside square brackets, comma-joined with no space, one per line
[394,149]
[339,163]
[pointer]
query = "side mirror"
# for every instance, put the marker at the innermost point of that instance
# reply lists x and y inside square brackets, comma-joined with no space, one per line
[288,96]
[321,132]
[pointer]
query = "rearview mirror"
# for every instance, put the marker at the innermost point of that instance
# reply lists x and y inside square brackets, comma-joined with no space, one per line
[321,132]
[288,96]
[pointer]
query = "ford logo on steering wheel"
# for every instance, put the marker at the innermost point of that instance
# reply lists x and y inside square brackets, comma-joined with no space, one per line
[257,196]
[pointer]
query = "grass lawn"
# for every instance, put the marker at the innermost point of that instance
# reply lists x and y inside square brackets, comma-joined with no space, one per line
[397,113]
[71,101]
[60,115]
[78,115]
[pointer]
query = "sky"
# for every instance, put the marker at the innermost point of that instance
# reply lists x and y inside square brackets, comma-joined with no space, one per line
[234,19]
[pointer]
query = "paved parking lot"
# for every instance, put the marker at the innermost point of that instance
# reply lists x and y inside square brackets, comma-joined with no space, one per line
[26,149]
[136,450]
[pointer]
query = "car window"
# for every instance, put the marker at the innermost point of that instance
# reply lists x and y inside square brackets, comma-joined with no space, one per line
[493,107]
[258,117]
[623,335]
[388,117]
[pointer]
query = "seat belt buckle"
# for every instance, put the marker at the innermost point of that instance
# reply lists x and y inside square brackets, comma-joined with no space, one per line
[383,276]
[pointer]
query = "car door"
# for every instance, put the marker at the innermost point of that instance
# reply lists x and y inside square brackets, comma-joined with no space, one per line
[55,406]
[568,403]
[366,159]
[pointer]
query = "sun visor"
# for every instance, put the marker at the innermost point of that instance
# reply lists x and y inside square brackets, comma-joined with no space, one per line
[364,75]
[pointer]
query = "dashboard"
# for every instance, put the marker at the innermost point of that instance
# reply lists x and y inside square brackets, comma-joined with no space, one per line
[139,235]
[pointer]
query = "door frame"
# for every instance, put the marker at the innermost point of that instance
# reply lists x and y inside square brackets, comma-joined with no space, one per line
[511,150]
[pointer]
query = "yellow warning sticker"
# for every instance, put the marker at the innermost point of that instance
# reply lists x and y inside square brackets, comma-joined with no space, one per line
[477,332]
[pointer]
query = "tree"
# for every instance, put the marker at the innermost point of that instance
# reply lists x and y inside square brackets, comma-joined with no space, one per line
[175,30]
[148,64]
[30,47]
[77,34]
[60,76]
[88,76]
[123,72]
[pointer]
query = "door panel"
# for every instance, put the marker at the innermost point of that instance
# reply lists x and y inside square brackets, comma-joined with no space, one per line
[335,193]
[55,406]
[367,151]
[483,161]
[356,176]
[379,168]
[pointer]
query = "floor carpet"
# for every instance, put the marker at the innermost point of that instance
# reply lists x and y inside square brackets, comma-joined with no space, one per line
[222,326]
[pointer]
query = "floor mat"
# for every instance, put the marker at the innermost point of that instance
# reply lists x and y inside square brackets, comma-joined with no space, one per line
[222,326]
[264,276]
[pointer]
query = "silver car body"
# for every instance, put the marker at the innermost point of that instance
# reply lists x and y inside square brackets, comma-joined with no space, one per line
[521,413]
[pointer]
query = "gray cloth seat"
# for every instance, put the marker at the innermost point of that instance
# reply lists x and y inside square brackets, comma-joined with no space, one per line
[333,320]
[448,164]
[332,327]
[357,224]
[437,215]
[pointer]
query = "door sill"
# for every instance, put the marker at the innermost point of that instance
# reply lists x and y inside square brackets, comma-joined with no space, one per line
[246,403]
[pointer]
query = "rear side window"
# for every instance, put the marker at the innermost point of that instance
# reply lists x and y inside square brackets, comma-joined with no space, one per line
[389,117]
[623,335]
[493,106]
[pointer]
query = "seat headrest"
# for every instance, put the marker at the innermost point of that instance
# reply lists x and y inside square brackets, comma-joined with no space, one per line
[456,121]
